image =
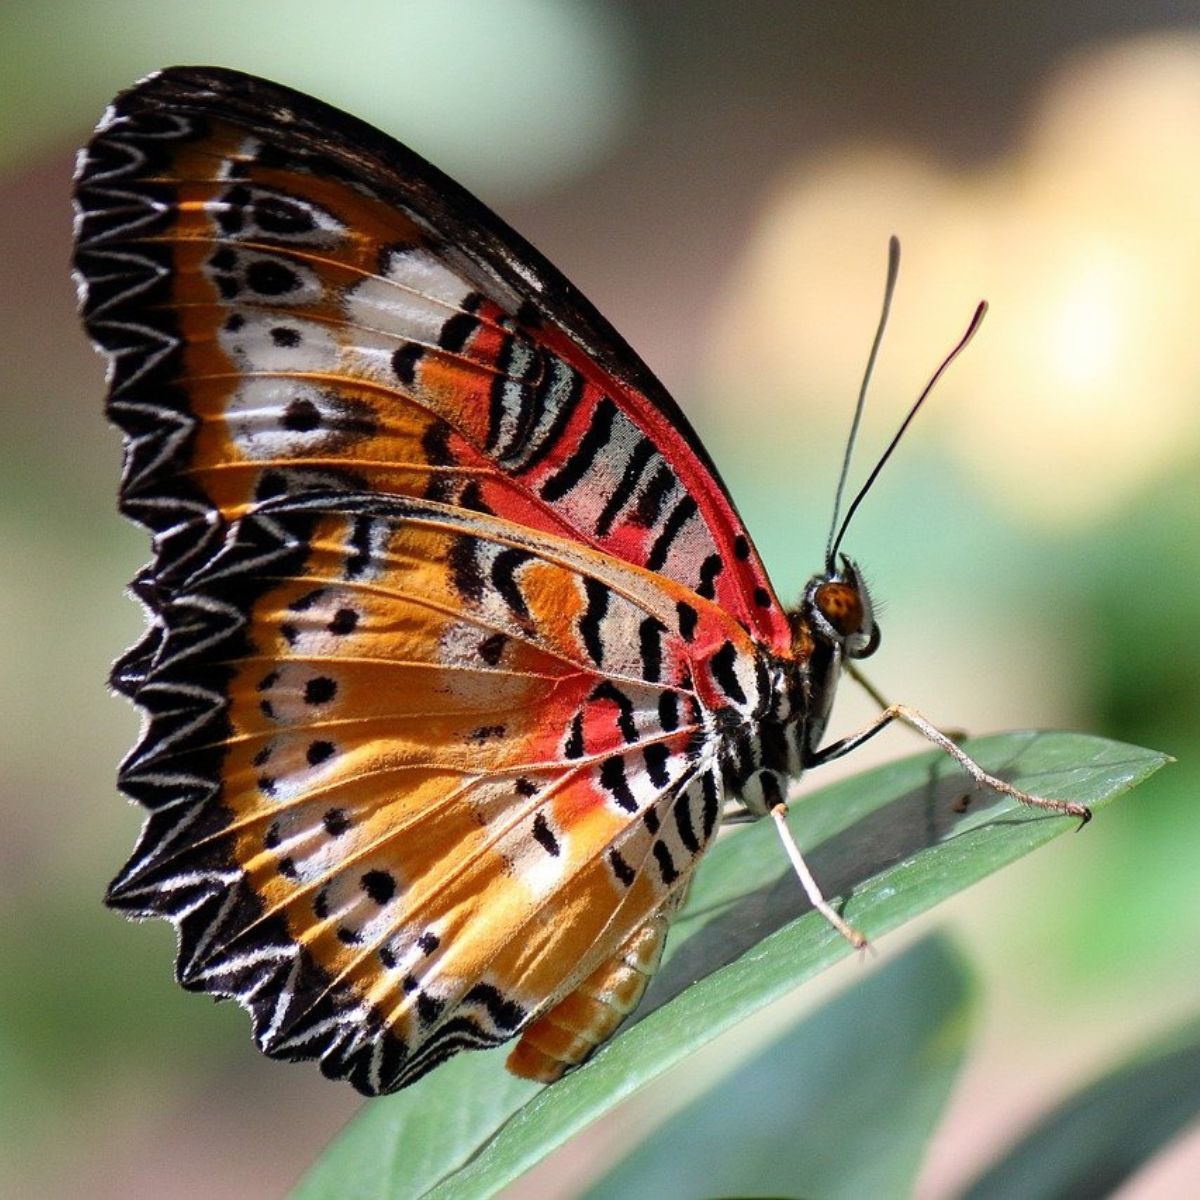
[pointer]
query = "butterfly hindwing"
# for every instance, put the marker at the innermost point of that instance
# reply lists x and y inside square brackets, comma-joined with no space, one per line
[414,772]
[294,303]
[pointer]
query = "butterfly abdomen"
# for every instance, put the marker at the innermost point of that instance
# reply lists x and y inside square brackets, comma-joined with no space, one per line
[566,1035]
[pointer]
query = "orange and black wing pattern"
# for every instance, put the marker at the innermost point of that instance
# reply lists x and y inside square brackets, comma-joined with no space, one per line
[415,773]
[293,302]
[447,602]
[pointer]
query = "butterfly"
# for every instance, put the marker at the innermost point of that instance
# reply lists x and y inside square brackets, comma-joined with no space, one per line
[458,651]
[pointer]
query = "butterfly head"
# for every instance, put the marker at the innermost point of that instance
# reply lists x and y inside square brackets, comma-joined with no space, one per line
[836,611]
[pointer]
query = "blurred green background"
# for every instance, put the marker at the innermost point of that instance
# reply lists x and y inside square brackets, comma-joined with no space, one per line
[721,181]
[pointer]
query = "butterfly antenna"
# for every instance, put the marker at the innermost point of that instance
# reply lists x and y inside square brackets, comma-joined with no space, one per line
[976,321]
[889,289]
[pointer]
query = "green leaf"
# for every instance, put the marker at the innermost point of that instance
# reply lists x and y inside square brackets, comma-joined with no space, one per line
[890,840]
[840,1106]
[1097,1138]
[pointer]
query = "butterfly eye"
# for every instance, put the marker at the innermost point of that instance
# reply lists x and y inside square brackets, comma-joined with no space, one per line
[842,606]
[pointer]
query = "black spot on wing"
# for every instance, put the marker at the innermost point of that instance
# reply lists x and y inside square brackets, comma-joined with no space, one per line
[270,278]
[668,710]
[593,617]
[650,501]
[472,498]
[621,869]
[301,417]
[710,568]
[343,622]
[305,602]
[725,675]
[580,460]
[380,886]
[335,821]
[429,1008]
[712,803]
[320,690]
[544,836]
[505,566]
[682,812]
[676,520]
[435,443]
[505,1014]
[465,568]
[666,864]
[639,460]
[457,331]
[491,649]
[404,363]
[625,720]
[614,782]
[573,746]
[360,546]
[319,752]
[486,733]
[285,337]
[277,214]
[657,755]
[650,647]
[687,618]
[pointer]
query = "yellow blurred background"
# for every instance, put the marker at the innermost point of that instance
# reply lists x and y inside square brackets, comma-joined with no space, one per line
[721,180]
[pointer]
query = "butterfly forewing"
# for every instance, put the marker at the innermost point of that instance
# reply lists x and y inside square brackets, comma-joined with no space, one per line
[295,303]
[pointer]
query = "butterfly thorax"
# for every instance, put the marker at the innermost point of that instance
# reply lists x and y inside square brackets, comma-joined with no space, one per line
[833,623]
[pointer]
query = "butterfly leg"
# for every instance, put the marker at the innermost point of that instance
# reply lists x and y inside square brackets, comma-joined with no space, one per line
[912,718]
[811,889]
[563,1037]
